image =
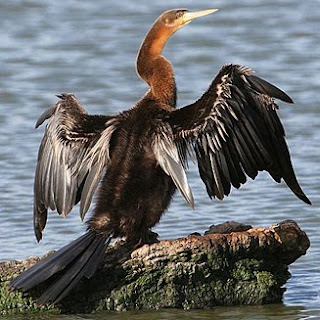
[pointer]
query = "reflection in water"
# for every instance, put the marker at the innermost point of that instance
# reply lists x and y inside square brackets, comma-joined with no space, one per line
[89,48]
[269,312]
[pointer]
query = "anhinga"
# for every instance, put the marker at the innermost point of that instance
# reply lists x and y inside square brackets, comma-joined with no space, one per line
[136,159]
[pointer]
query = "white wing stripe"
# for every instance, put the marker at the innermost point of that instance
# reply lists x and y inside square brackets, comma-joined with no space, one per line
[167,155]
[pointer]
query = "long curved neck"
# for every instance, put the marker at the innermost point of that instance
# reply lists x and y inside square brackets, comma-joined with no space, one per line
[155,69]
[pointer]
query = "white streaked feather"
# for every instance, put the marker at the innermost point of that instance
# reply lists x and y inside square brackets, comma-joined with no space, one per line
[100,151]
[65,160]
[211,143]
[167,155]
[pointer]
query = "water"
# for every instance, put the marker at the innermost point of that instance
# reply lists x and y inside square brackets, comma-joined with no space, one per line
[89,48]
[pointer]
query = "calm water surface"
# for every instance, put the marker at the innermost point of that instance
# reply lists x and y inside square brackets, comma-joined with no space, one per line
[89,48]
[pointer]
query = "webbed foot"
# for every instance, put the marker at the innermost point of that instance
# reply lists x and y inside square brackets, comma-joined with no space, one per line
[147,238]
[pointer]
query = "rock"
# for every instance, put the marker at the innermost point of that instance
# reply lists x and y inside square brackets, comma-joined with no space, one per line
[228,227]
[243,267]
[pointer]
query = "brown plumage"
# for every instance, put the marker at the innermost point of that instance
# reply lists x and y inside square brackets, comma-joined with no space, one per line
[136,159]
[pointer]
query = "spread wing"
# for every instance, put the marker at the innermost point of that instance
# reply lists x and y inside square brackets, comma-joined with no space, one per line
[73,154]
[234,131]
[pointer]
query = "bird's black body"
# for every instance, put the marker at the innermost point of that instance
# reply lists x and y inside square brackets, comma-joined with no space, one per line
[135,191]
[137,159]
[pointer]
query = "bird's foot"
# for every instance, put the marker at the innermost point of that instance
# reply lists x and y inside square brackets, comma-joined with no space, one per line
[152,237]
[148,238]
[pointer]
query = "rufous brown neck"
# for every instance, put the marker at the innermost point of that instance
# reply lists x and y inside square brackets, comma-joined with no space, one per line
[154,68]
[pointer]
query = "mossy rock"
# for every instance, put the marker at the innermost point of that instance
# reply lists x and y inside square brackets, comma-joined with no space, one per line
[245,267]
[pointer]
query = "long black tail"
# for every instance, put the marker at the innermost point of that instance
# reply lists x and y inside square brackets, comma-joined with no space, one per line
[78,259]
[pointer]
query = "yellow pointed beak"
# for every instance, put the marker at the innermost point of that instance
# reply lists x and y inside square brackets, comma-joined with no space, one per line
[189,16]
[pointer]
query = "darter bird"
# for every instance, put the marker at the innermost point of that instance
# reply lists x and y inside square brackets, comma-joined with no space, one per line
[136,160]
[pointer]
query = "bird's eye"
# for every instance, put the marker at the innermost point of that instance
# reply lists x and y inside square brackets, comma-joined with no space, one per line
[179,14]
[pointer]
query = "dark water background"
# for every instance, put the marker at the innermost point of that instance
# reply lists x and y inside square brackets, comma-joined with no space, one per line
[89,48]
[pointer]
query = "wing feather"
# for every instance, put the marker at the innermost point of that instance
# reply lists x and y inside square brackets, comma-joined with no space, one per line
[89,187]
[73,155]
[218,186]
[235,132]
[167,155]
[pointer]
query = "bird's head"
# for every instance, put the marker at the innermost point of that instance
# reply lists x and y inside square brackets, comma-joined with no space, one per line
[178,18]
[152,67]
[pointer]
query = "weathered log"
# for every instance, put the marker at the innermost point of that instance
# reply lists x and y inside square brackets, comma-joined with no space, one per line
[243,267]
